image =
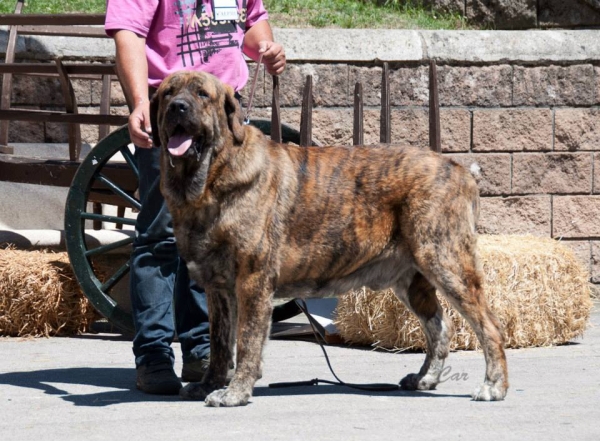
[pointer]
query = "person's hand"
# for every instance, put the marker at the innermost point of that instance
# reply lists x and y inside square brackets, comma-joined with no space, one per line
[273,56]
[139,126]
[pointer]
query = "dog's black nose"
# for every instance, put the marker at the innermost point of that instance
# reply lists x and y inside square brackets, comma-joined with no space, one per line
[179,106]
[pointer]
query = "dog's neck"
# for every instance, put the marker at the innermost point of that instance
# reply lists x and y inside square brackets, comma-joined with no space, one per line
[216,169]
[184,179]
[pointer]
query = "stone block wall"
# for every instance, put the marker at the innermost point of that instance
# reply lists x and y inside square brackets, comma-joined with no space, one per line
[531,134]
[525,14]
[528,129]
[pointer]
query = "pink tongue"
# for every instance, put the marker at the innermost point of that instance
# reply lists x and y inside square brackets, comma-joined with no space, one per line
[179,144]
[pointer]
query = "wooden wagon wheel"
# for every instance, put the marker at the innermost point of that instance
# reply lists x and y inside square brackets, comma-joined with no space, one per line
[108,175]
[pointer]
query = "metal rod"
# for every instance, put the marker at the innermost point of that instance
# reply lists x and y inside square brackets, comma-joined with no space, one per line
[306,114]
[130,160]
[115,278]
[435,136]
[358,131]
[385,135]
[276,134]
[118,191]
[106,218]
[109,247]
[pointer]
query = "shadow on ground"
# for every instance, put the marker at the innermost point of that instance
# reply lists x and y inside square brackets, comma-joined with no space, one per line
[121,383]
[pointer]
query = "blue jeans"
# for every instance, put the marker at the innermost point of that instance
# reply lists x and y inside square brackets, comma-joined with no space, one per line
[159,281]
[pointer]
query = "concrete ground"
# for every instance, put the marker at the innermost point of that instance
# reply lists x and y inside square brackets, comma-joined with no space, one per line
[82,388]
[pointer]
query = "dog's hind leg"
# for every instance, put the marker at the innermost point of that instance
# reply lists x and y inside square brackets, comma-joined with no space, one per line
[422,301]
[453,270]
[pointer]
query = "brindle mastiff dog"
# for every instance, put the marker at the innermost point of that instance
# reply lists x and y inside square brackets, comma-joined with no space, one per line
[255,220]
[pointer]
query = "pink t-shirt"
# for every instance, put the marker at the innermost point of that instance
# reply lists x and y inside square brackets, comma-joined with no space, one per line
[182,34]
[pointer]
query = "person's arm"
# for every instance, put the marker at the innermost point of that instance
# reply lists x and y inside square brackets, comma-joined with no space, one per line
[259,40]
[132,67]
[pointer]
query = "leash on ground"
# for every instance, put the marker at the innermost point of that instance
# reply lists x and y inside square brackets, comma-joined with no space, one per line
[373,387]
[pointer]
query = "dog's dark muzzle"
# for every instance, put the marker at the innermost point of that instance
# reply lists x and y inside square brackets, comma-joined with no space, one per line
[178,118]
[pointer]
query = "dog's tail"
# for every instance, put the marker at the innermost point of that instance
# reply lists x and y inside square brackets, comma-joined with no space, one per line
[470,195]
[475,170]
[473,191]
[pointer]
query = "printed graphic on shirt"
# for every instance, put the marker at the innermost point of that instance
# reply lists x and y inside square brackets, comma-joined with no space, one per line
[202,36]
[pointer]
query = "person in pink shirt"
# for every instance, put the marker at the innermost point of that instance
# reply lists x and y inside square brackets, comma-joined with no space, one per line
[154,38]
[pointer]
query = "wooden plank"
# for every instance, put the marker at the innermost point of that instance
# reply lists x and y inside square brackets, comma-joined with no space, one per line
[104,129]
[5,92]
[95,69]
[120,213]
[385,124]
[64,31]
[276,134]
[71,108]
[97,209]
[50,69]
[358,131]
[39,172]
[306,114]
[60,173]
[61,117]
[103,197]
[55,19]
[435,136]
[22,68]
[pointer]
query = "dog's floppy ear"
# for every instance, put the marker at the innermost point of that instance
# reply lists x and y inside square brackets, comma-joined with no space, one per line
[234,115]
[154,119]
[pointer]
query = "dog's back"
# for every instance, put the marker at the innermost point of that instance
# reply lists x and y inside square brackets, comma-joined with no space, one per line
[339,208]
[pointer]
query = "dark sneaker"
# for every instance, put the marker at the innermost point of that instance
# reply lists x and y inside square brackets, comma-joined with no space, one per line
[194,371]
[158,378]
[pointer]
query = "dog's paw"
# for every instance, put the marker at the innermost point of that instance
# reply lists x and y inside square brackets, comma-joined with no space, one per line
[195,391]
[489,392]
[418,382]
[227,398]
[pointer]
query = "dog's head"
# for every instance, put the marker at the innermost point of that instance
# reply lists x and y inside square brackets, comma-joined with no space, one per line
[194,111]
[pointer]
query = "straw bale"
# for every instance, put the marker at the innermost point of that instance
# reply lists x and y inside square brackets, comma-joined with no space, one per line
[537,288]
[39,296]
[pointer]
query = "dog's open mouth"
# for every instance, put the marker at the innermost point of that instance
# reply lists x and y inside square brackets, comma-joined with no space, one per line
[179,142]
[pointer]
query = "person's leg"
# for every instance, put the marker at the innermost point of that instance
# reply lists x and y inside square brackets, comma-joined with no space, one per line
[160,276]
[154,263]
[191,318]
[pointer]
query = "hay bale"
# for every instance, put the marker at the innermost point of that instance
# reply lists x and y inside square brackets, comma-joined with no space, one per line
[535,286]
[39,296]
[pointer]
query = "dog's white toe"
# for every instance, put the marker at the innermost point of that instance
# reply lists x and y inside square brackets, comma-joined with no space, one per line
[489,392]
[226,398]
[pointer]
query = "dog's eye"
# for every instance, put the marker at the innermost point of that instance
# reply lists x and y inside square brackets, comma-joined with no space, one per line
[202,94]
[168,93]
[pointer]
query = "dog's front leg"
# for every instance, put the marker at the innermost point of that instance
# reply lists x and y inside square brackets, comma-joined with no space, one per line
[254,293]
[222,317]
